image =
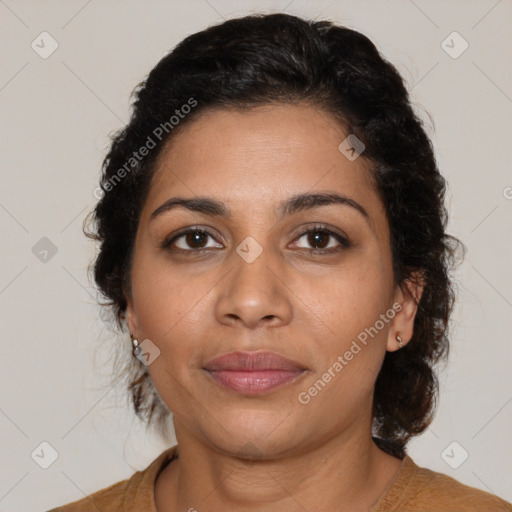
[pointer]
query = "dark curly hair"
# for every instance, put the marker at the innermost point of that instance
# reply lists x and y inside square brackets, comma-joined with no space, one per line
[278,58]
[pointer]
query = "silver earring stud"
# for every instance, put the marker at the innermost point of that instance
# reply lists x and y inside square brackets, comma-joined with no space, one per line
[135,344]
[399,339]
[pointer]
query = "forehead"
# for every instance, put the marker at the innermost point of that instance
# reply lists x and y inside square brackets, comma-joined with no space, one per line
[254,159]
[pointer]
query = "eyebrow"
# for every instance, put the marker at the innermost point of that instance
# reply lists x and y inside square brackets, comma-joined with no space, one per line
[294,204]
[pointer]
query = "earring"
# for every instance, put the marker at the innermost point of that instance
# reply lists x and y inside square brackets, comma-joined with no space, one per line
[399,341]
[135,344]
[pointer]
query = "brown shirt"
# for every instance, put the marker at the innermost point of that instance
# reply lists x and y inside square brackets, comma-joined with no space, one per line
[414,489]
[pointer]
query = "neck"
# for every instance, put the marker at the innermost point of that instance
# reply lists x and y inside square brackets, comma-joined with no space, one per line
[348,472]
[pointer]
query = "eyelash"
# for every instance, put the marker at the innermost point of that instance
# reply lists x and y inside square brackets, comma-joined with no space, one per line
[344,242]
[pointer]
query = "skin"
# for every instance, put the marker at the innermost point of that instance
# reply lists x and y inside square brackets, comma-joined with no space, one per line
[308,307]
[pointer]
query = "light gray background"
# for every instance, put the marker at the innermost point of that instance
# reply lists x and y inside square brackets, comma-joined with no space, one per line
[56,116]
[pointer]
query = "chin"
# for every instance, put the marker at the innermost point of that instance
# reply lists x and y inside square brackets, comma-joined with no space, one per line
[251,434]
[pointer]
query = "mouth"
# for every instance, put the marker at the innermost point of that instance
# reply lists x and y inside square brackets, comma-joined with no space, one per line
[253,373]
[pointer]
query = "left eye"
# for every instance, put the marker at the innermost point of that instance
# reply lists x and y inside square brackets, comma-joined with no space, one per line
[320,237]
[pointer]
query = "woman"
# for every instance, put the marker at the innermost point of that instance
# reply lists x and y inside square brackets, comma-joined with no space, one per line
[272,236]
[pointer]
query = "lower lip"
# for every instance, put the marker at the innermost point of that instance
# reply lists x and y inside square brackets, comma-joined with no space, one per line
[253,382]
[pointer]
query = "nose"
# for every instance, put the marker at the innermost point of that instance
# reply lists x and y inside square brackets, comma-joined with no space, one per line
[254,294]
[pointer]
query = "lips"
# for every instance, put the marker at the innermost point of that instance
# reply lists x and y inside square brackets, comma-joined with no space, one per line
[252,373]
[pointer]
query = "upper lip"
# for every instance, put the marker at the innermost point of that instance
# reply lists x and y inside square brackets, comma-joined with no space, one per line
[248,361]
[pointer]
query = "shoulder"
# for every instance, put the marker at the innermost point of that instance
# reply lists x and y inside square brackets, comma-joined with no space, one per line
[454,495]
[136,491]
[418,489]
[429,489]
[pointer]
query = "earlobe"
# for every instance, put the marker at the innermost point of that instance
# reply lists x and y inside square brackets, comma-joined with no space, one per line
[408,296]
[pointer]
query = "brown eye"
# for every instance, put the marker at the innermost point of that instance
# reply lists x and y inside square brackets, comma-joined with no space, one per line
[324,240]
[195,239]
[191,240]
[318,238]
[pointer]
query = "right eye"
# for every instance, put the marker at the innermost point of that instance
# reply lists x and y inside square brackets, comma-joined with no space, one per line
[191,240]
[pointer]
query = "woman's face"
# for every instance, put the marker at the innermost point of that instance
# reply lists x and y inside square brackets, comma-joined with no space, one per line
[256,282]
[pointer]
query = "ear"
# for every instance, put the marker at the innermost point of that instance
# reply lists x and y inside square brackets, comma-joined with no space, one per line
[408,296]
[131,317]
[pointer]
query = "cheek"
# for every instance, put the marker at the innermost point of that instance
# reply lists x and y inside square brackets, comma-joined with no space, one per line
[165,296]
[174,310]
[351,340]
[350,298]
